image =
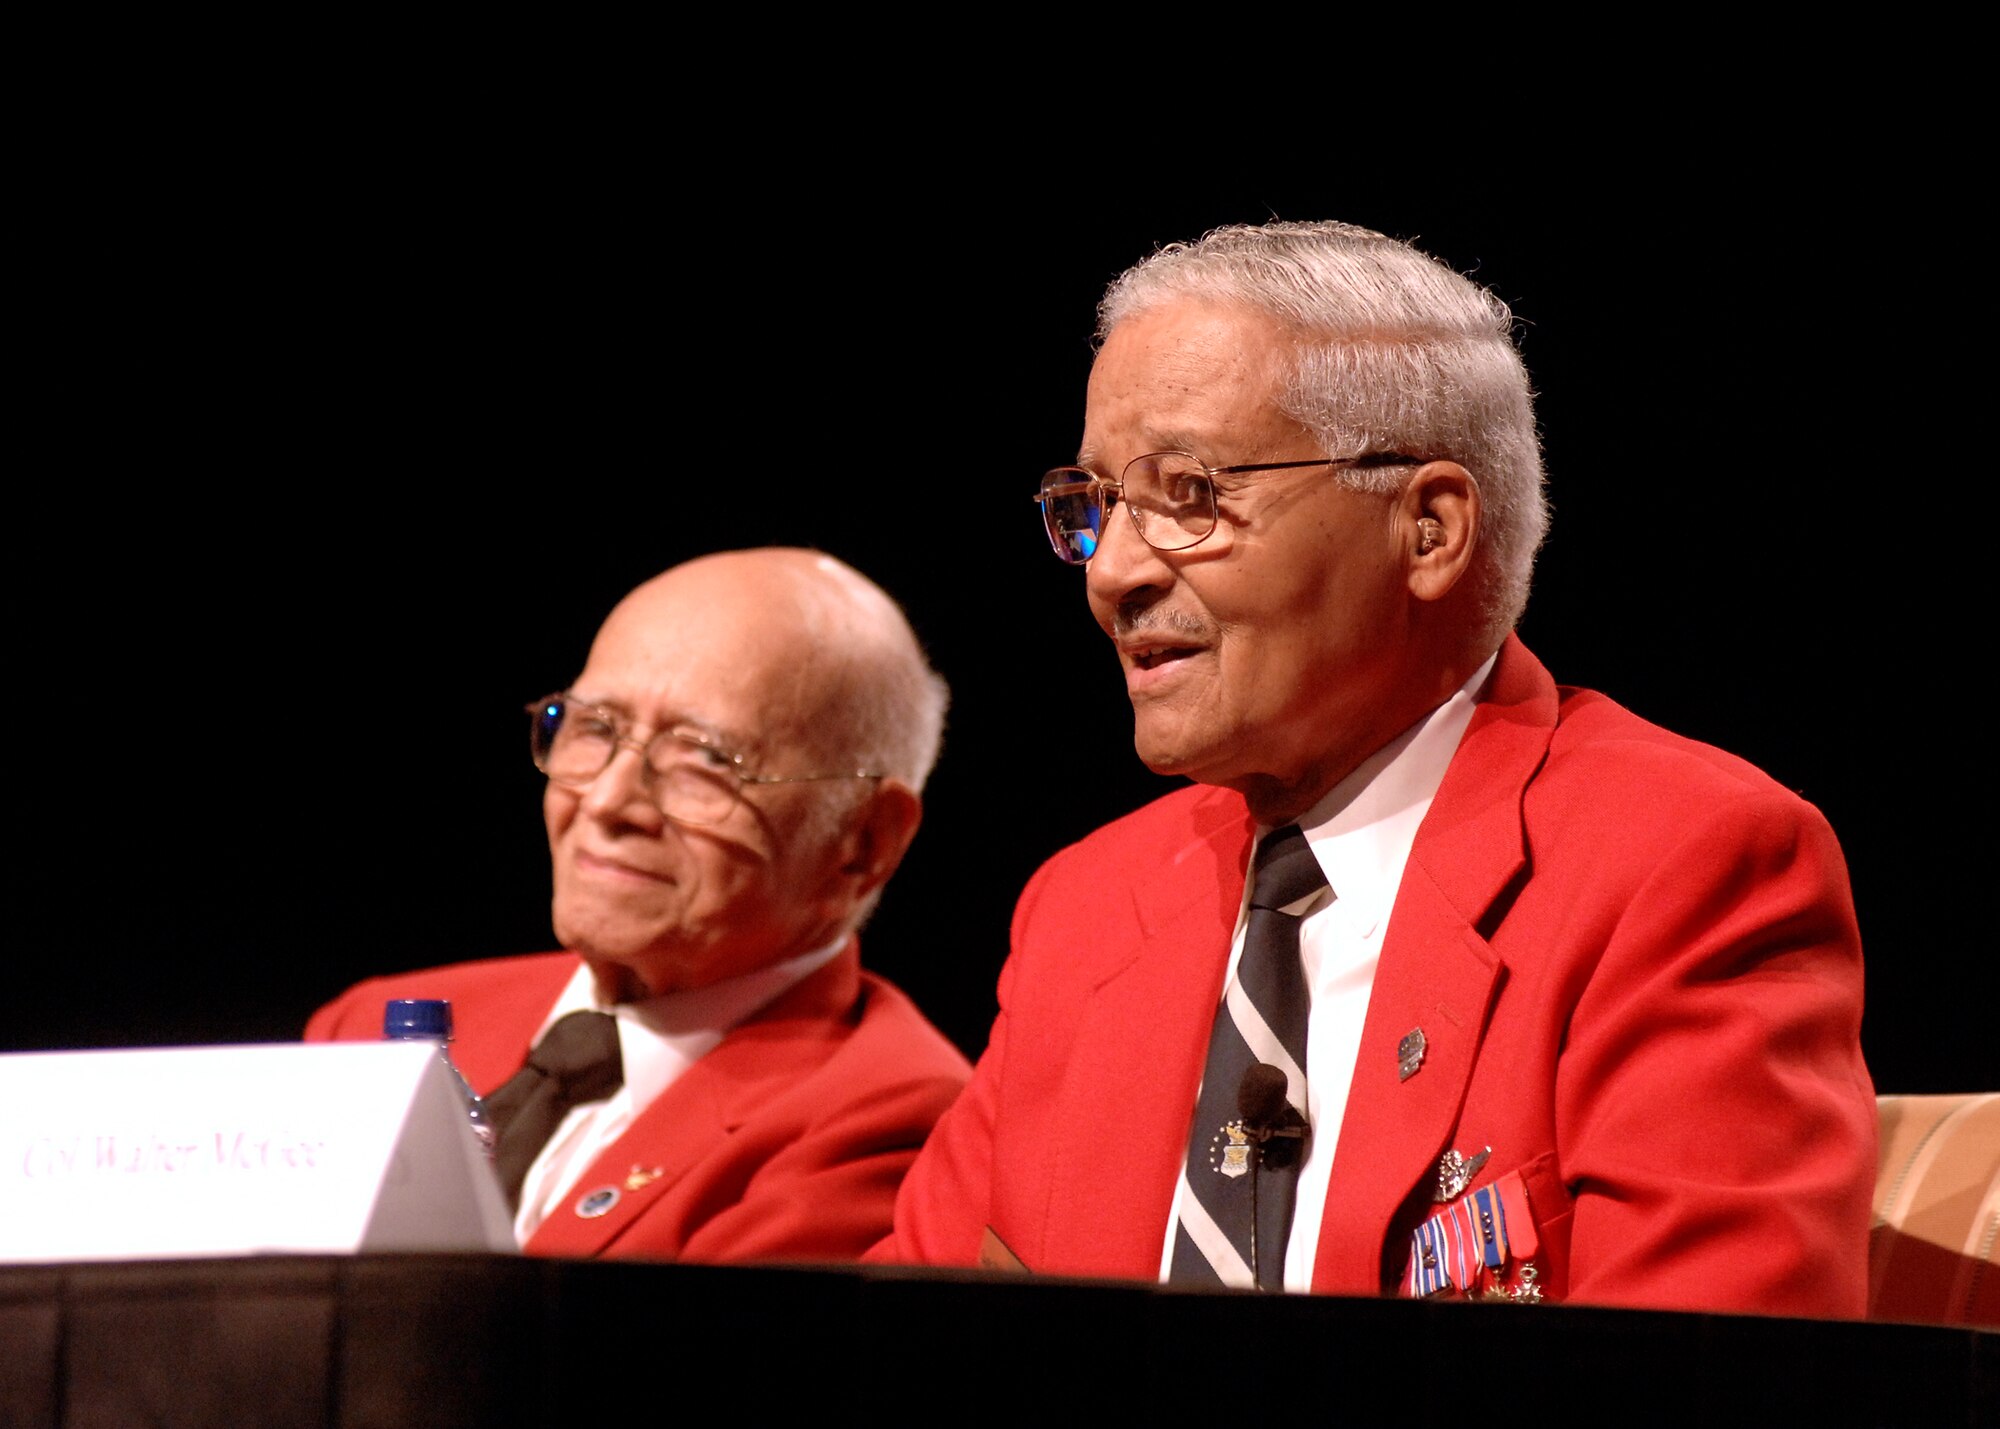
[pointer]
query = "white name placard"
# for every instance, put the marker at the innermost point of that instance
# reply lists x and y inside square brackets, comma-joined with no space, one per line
[156,1153]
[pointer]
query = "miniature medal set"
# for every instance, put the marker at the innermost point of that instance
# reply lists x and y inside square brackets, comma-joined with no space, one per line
[1477,1243]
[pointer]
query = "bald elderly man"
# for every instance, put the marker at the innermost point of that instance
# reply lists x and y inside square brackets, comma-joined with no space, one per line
[733,778]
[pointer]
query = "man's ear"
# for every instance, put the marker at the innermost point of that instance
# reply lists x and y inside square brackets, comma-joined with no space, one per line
[880,834]
[1439,518]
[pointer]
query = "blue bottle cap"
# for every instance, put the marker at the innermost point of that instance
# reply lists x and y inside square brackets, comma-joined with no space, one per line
[417,1017]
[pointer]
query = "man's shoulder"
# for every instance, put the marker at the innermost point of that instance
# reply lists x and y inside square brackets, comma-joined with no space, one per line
[1598,741]
[1623,792]
[844,1017]
[889,1023]
[1587,745]
[1194,836]
[1092,905]
[1197,811]
[357,1012]
[807,1068]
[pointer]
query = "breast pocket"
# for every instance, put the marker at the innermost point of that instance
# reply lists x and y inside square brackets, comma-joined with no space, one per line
[1505,1240]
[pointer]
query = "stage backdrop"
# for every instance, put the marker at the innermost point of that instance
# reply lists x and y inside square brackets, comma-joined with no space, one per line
[369,451]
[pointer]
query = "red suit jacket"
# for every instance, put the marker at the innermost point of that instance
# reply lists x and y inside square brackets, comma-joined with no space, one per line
[1635,963]
[785,1142]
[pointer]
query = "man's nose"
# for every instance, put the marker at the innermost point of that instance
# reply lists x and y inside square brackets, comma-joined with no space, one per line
[623,788]
[1123,563]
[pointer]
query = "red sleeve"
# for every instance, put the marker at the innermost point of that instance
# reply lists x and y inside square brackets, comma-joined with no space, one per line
[946,1202]
[828,1194]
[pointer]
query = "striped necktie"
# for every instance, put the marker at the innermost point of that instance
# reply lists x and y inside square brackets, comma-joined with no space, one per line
[1236,1204]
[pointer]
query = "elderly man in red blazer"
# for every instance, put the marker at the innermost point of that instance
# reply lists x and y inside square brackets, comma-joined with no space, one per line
[1444,980]
[706,1073]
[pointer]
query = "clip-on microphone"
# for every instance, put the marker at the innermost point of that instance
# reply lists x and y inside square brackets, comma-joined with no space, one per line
[1272,1125]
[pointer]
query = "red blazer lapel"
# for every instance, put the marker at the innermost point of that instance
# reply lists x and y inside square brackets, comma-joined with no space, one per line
[693,1119]
[1134,1068]
[1437,976]
[495,1034]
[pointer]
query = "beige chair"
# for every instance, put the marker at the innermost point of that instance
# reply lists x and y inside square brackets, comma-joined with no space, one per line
[1931,1248]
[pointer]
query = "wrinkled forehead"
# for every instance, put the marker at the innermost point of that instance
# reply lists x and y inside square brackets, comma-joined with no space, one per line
[742,672]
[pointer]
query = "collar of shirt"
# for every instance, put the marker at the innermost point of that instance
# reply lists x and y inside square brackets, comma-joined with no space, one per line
[659,1038]
[1362,830]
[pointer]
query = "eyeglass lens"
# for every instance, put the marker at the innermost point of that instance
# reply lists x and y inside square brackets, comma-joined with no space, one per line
[1073,512]
[1172,499]
[574,744]
[1168,495]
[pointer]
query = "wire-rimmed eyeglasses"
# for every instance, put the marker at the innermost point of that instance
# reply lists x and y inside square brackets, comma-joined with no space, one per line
[692,779]
[1169,495]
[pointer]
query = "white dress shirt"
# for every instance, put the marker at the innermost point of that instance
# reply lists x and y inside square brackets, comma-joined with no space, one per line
[658,1039]
[1361,834]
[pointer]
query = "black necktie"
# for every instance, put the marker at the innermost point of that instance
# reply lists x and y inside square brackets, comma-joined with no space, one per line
[576,1061]
[1237,1206]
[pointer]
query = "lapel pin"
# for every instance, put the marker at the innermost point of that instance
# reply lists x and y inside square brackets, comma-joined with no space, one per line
[597,1202]
[1455,1173]
[639,1176]
[1410,1054]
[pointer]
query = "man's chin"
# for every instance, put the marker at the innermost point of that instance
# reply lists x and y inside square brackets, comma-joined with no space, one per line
[613,950]
[1173,758]
[1222,765]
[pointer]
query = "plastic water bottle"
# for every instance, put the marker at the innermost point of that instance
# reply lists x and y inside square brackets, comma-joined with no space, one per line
[429,1019]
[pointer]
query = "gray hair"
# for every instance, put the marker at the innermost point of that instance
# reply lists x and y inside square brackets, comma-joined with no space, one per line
[885,706]
[879,705]
[1396,353]
[899,718]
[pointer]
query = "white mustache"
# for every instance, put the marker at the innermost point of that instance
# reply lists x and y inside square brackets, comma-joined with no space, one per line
[1155,624]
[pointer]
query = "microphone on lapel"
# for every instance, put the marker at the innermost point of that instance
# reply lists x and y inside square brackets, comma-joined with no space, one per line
[1272,1123]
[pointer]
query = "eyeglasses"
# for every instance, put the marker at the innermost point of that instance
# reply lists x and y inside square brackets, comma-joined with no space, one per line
[693,781]
[1170,496]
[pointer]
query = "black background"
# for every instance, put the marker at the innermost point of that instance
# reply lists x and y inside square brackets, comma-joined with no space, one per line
[354,443]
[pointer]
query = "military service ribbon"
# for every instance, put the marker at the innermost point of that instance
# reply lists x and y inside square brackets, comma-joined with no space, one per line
[1471,1242]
